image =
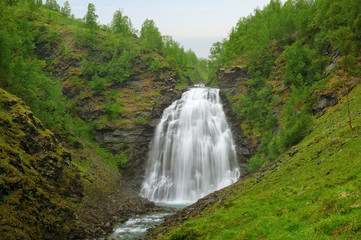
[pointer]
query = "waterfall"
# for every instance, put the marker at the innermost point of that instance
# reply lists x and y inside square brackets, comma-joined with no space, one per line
[192,153]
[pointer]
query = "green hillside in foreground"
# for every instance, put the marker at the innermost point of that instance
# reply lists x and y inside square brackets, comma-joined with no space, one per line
[311,192]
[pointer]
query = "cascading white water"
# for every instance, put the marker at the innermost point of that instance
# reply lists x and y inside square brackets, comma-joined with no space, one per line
[192,153]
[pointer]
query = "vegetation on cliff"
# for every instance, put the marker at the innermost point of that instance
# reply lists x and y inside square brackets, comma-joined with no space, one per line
[311,192]
[38,182]
[94,87]
[291,72]
[294,54]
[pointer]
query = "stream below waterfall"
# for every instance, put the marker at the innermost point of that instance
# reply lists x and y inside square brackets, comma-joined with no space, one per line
[136,228]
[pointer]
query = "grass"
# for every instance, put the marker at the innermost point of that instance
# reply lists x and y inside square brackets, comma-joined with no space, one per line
[312,193]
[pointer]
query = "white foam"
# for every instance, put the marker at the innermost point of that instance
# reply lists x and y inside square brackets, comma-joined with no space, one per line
[192,153]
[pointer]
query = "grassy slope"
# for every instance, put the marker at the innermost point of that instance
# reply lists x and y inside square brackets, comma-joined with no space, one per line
[311,192]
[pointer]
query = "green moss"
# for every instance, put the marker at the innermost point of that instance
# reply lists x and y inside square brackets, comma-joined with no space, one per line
[28,198]
[140,120]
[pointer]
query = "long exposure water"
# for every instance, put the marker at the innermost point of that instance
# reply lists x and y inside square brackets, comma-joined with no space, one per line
[136,227]
[192,153]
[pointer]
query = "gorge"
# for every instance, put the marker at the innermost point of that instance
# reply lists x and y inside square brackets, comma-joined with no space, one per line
[103,126]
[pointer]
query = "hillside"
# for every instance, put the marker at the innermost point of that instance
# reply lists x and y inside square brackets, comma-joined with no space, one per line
[79,103]
[311,192]
[38,180]
[78,109]
[291,73]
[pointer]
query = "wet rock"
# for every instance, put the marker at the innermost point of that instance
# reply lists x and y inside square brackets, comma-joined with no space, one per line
[324,101]
[228,78]
[319,162]
[71,90]
[245,148]
[135,168]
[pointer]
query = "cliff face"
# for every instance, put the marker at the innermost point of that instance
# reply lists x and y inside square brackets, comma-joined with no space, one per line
[137,104]
[232,82]
[38,182]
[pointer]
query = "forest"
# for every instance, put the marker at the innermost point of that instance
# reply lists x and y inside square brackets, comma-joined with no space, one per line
[286,48]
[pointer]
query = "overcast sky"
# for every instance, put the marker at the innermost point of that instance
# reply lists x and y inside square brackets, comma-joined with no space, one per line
[195,24]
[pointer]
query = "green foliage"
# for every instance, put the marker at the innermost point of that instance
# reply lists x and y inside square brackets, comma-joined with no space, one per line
[140,120]
[52,5]
[301,69]
[151,62]
[324,24]
[269,152]
[66,10]
[90,18]
[120,68]
[113,109]
[150,36]
[123,158]
[255,106]
[122,24]
[294,125]
[173,52]
[86,39]
[97,84]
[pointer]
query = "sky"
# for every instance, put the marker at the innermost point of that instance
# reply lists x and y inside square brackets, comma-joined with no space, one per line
[195,24]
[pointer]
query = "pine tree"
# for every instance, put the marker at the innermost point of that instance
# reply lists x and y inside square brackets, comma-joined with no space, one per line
[91,18]
[150,36]
[66,10]
[52,5]
[122,24]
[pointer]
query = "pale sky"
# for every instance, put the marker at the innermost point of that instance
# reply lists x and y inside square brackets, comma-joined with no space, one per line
[195,24]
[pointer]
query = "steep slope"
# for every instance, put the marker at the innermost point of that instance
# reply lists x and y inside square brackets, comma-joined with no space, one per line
[39,185]
[311,192]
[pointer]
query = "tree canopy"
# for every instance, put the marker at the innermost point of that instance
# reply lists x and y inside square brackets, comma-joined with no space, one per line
[150,36]
[90,17]
[122,24]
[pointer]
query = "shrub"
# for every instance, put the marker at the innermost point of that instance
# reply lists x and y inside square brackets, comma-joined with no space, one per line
[294,126]
[140,120]
[112,109]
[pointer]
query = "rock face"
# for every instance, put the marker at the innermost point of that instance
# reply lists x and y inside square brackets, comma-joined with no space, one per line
[37,178]
[229,78]
[233,81]
[135,169]
[324,101]
[245,147]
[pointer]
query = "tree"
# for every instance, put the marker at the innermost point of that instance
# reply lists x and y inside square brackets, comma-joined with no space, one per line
[66,10]
[52,5]
[122,24]
[91,18]
[39,3]
[150,36]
